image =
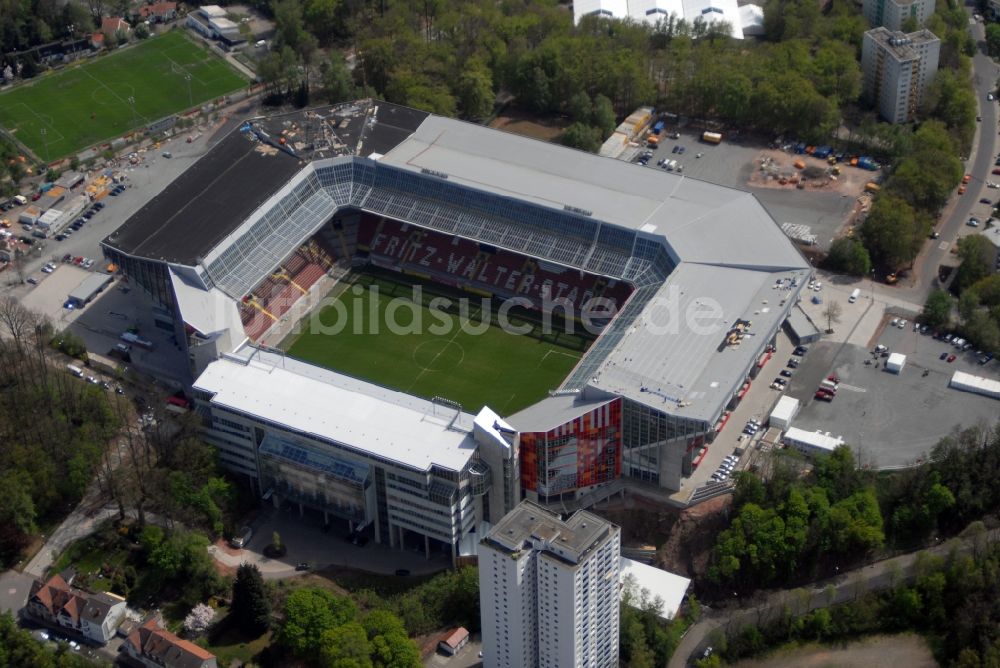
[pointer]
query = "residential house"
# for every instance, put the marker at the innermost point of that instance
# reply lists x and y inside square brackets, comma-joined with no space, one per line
[56,603]
[453,643]
[158,12]
[112,25]
[97,41]
[153,646]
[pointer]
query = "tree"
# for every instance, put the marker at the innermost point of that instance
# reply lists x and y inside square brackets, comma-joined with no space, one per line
[993,39]
[251,604]
[308,614]
[849,256]
[345,646]
[389,643]
[475,90]
[832,313]
[937,311]
[604,116]
[199,619]
[337,84]
[976,253]
[889,232]
[582,137]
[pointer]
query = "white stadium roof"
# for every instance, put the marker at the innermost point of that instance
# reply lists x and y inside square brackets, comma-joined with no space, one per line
[652,11]
[655,583]
[332,407]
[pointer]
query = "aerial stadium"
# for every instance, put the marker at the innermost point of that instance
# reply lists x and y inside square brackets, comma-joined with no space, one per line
[685,285]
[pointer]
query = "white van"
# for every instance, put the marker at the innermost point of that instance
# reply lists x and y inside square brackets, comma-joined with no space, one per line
[20,199]
[75,370]
[854,295]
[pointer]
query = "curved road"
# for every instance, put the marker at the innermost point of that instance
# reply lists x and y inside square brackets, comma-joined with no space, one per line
[841,589]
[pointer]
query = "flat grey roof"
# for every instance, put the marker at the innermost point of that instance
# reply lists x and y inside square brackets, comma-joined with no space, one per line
[333,407]
[702,222]
[800,323]
[670,359]
[553,411]
[89,287]
[572,538]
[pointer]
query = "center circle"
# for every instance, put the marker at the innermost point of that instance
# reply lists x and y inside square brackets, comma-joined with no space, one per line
[438,355]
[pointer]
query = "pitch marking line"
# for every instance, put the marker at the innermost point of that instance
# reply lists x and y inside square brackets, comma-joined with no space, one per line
[49,127]
[112,91]
[458,330]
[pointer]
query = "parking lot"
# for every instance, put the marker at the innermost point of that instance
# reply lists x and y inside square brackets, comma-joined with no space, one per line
[731,164]
[890,419]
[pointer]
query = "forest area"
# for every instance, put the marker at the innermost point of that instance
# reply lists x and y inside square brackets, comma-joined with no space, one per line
[793,529]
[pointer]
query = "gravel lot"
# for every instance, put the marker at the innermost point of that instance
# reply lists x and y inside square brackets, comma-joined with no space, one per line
[878,652]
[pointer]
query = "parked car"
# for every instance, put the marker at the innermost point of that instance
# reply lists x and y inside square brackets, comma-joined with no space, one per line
[984,200]
[951,358]
[800,351]
[793,363]
[786,373]
[943,356]
[302,566]
[823,396]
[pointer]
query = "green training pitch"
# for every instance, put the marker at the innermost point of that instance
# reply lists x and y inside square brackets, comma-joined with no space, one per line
[62,113]
[495,368]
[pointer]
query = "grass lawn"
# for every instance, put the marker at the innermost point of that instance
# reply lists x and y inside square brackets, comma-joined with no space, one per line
[504,371]
[228,643]
[96,558]
[89,103]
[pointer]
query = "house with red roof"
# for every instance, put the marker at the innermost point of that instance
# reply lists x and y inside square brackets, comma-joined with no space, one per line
[112,25]
[152,645]
[55,603]
[158,12]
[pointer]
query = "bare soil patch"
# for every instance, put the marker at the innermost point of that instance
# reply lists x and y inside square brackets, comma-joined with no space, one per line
[771,166]
[875,652]
[524,123]
[682,539]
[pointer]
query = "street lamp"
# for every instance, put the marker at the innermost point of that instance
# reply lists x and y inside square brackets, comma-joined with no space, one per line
[131,101]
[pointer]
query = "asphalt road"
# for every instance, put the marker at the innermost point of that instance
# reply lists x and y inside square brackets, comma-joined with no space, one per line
[979,165]
[841,589]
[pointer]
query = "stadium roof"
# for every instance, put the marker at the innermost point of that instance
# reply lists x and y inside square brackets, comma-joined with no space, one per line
[702,222]
[206,202]
[210,199]
[208,311]
[732,260]
[332,407]
[672,360]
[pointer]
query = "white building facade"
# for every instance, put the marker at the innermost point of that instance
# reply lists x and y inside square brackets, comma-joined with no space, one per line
[897,69]
[549,590]
[417,473]
[893,14]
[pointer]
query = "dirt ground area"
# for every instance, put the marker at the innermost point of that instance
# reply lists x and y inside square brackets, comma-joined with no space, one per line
[683,538]
[773,165]
[875,652]
[528,125]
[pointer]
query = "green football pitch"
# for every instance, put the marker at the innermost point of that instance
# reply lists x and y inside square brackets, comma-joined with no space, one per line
[387,338]
[59,114]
